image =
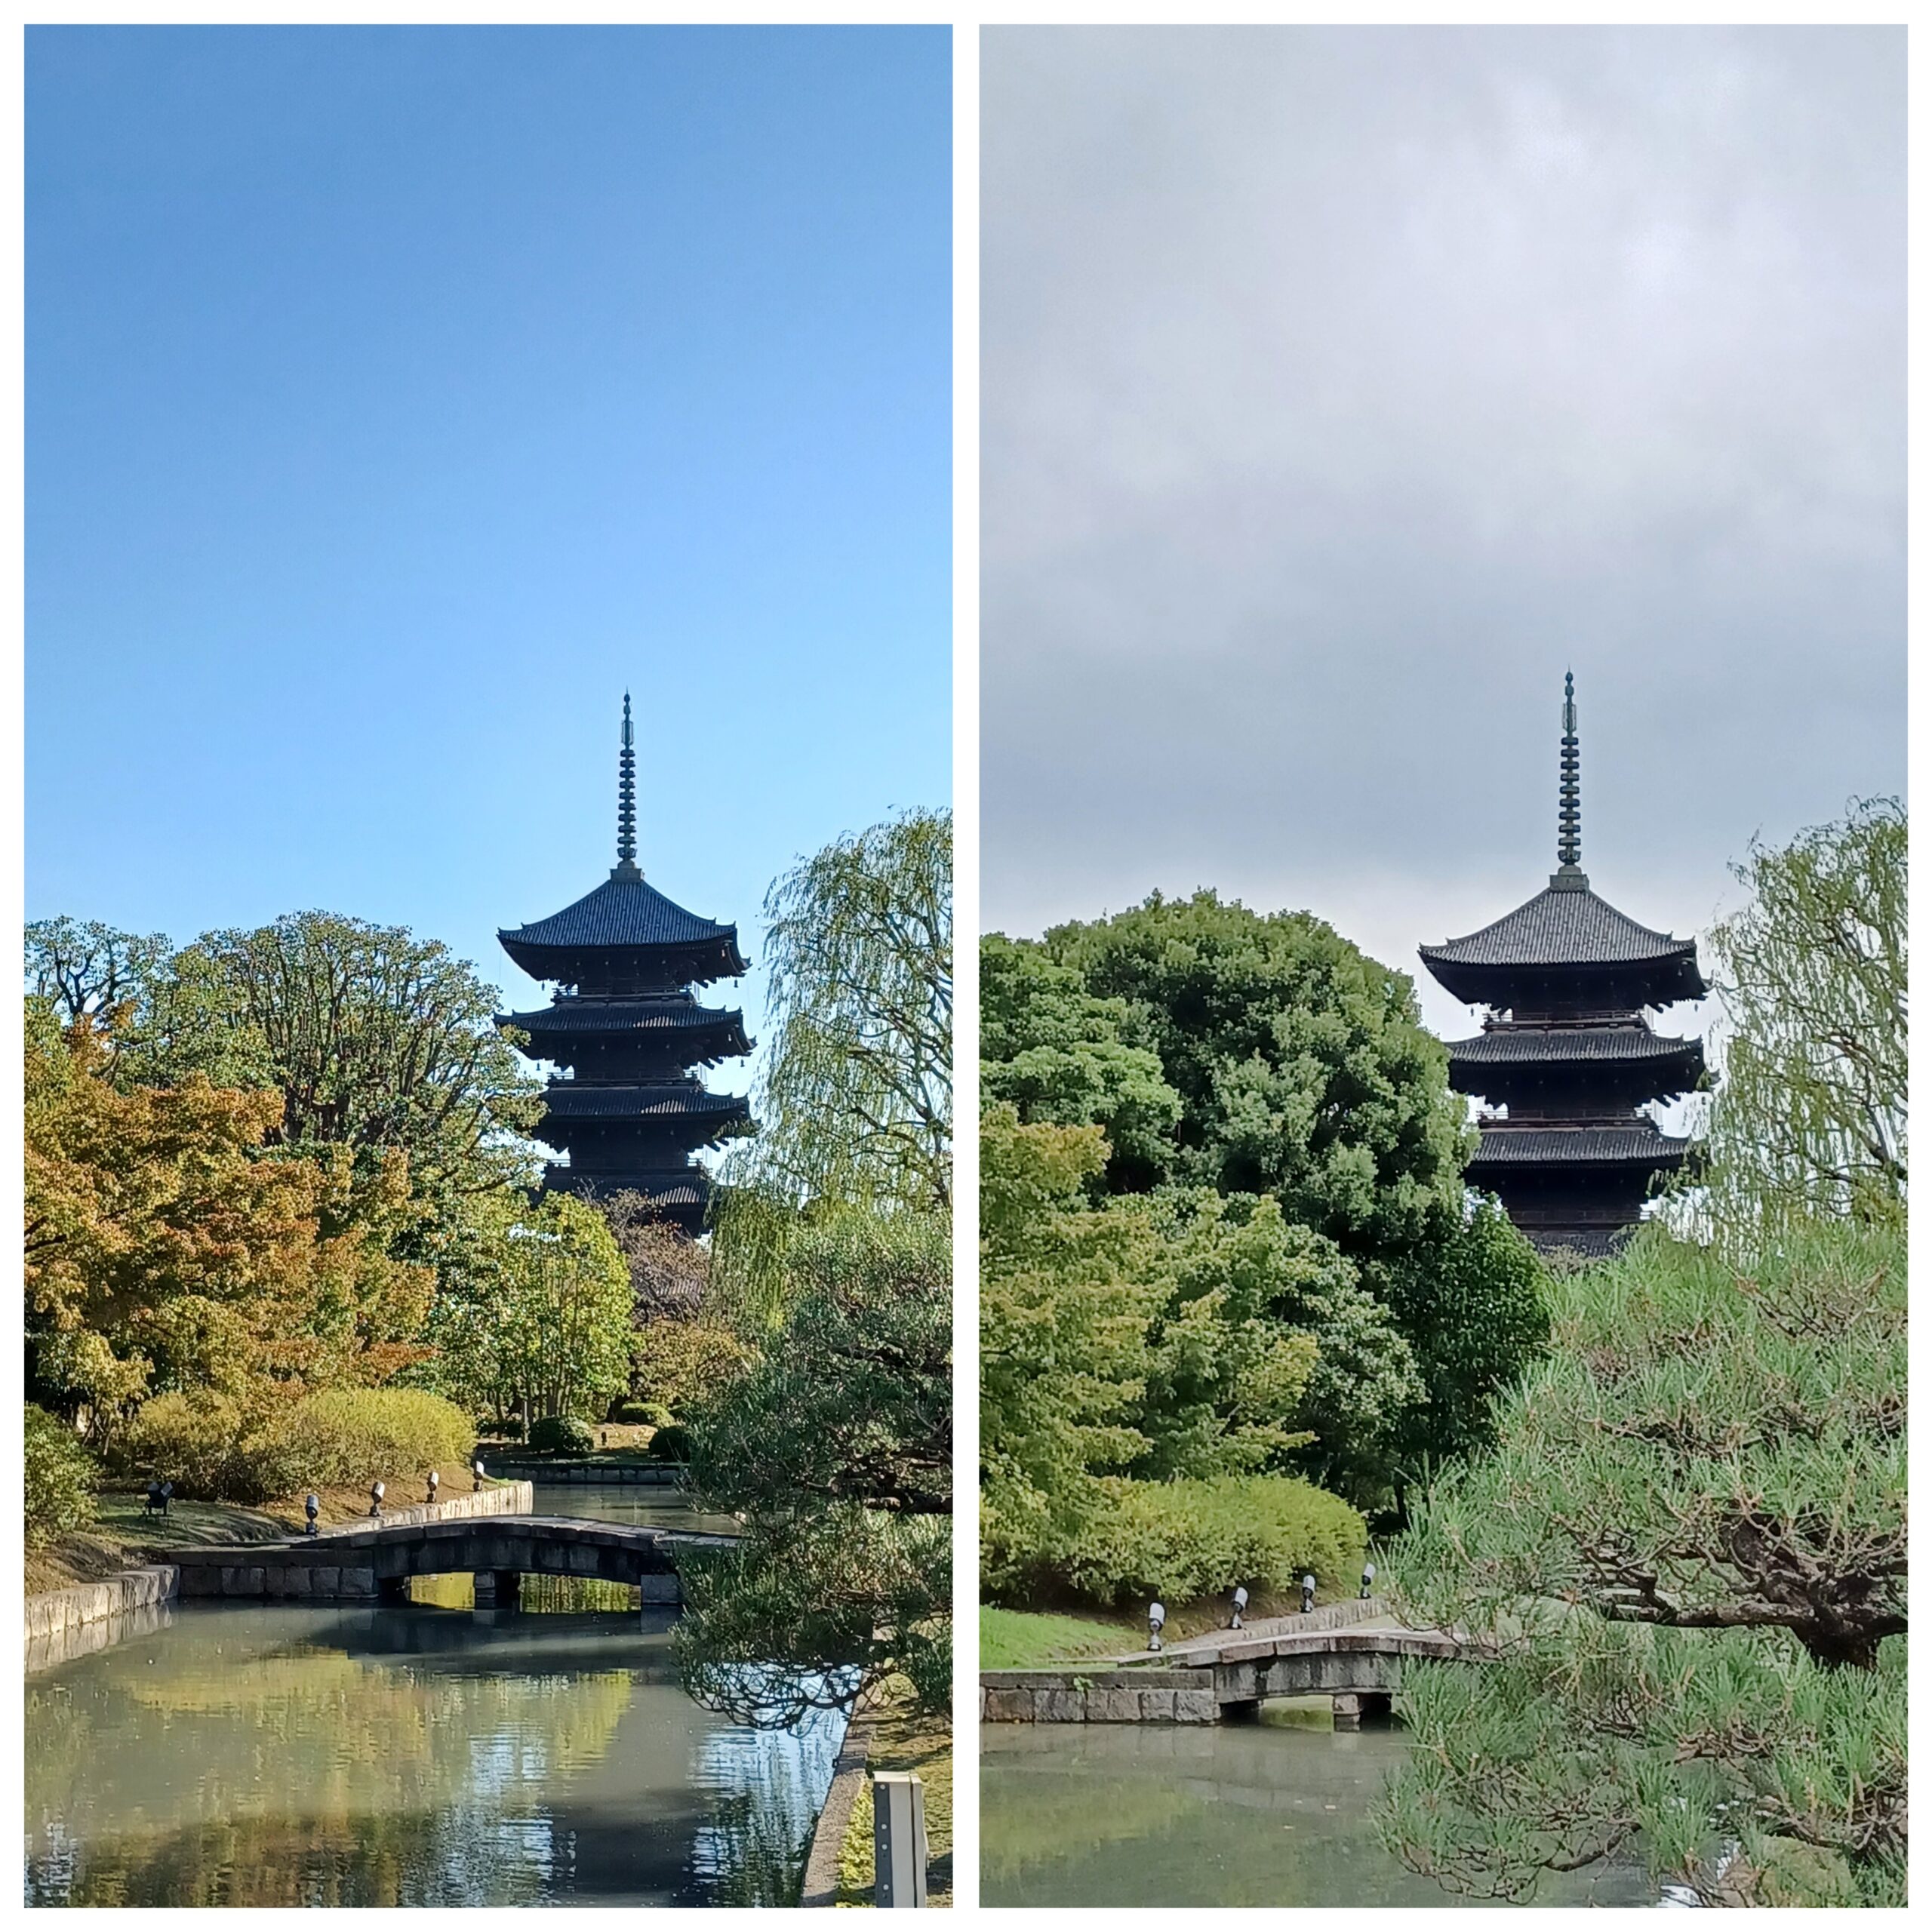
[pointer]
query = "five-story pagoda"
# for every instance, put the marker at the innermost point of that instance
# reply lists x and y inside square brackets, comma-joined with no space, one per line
[1566,1052]
[625,1024]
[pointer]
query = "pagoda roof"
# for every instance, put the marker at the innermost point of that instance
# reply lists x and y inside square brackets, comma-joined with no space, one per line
[1566,925]
[623,1015]
[677,1187]
[575,1101]
[1542,1046]
[1640,1144]
[621,911]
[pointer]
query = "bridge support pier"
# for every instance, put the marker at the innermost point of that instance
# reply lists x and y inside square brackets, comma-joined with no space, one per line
[391,1590]
[1352,1706]
[498,1590]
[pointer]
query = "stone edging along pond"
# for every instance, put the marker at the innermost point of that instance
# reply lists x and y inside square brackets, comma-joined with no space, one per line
[658,1475]
[53,1616]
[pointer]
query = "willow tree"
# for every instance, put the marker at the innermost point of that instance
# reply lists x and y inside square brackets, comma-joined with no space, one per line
[1809,1117]
[855,1100]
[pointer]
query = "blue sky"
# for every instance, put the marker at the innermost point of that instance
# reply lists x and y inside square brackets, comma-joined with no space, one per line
[396,397]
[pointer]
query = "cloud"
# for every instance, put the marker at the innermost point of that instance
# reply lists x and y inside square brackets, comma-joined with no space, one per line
[1342,387]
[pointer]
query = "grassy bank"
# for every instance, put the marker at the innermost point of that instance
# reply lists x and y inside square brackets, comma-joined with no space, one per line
[1037,1640]
[903,1741]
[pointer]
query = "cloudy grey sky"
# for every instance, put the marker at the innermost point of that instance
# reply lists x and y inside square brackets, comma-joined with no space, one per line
[1342,387]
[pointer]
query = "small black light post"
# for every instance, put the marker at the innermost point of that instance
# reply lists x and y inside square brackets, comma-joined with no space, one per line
[1308,1592]
[1368,1581]
[1241,1604]
[1157,1615]
[312,1507]
[434,1479]
[476,1474]
[375,1498]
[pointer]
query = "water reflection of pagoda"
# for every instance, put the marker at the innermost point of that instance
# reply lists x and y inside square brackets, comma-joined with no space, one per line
[625,1023]
[1566,1051]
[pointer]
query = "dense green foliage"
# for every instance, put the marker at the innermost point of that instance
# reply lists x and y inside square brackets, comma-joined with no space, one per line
[539,1320]
[211,1447]
[1688,1551]
[1302,1066]
[676,1365]
[1192,1537]
[833,1257]
[1809,1117]
[670,1444]
[1143,1362]
[836,1448]
[59,1478]
[1287,1121]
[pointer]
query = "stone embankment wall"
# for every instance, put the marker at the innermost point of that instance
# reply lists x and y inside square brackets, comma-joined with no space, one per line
[1098,1697]
[655,1475]
[112,1608]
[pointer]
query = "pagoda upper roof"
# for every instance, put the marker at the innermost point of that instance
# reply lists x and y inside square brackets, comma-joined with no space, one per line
[1540,1046]
[621,911]
[1563,925]
[1642,1143]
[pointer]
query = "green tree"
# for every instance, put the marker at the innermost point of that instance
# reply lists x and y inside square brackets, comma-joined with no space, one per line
[855,1102]
[1062,1345]
[1686,1559]
[1475,1310]
[379,1042]
[536,1319]
[836,1450]
[1059,1055]
[1302,1067]
[1809,1117]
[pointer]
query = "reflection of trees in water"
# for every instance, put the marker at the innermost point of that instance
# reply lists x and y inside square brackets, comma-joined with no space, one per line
[770,1786]
[399,1758]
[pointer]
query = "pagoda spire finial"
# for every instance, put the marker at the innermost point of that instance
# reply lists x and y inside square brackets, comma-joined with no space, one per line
[626,865]
[1569,799]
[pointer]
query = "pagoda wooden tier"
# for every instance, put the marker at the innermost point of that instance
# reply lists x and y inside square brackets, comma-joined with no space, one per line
[630,1113]
[1567,1057]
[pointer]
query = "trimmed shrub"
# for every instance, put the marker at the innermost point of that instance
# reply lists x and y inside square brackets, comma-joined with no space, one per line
[1191,1538]
[342,1437]
[347,1436]
[60,1478]
[671,1444]
[562,1435]
[654,1415]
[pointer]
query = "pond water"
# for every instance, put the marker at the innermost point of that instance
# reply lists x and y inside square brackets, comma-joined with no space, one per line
[298,1755]
[1273,1813]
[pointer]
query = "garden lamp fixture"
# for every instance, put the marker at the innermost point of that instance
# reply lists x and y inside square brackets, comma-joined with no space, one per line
[1368,1581]
[476,1474]
[1308,1592]
[434,1479]
[375,1498]
[311,1508]
[1157,1615]
[1241,1604]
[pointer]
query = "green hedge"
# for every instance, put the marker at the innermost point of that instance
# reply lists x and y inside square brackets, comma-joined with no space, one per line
[60,1479]
[341,1438]
[1188,1538]
[670,1445]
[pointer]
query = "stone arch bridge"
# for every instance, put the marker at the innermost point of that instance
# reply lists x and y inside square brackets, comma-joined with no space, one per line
[373,1563]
